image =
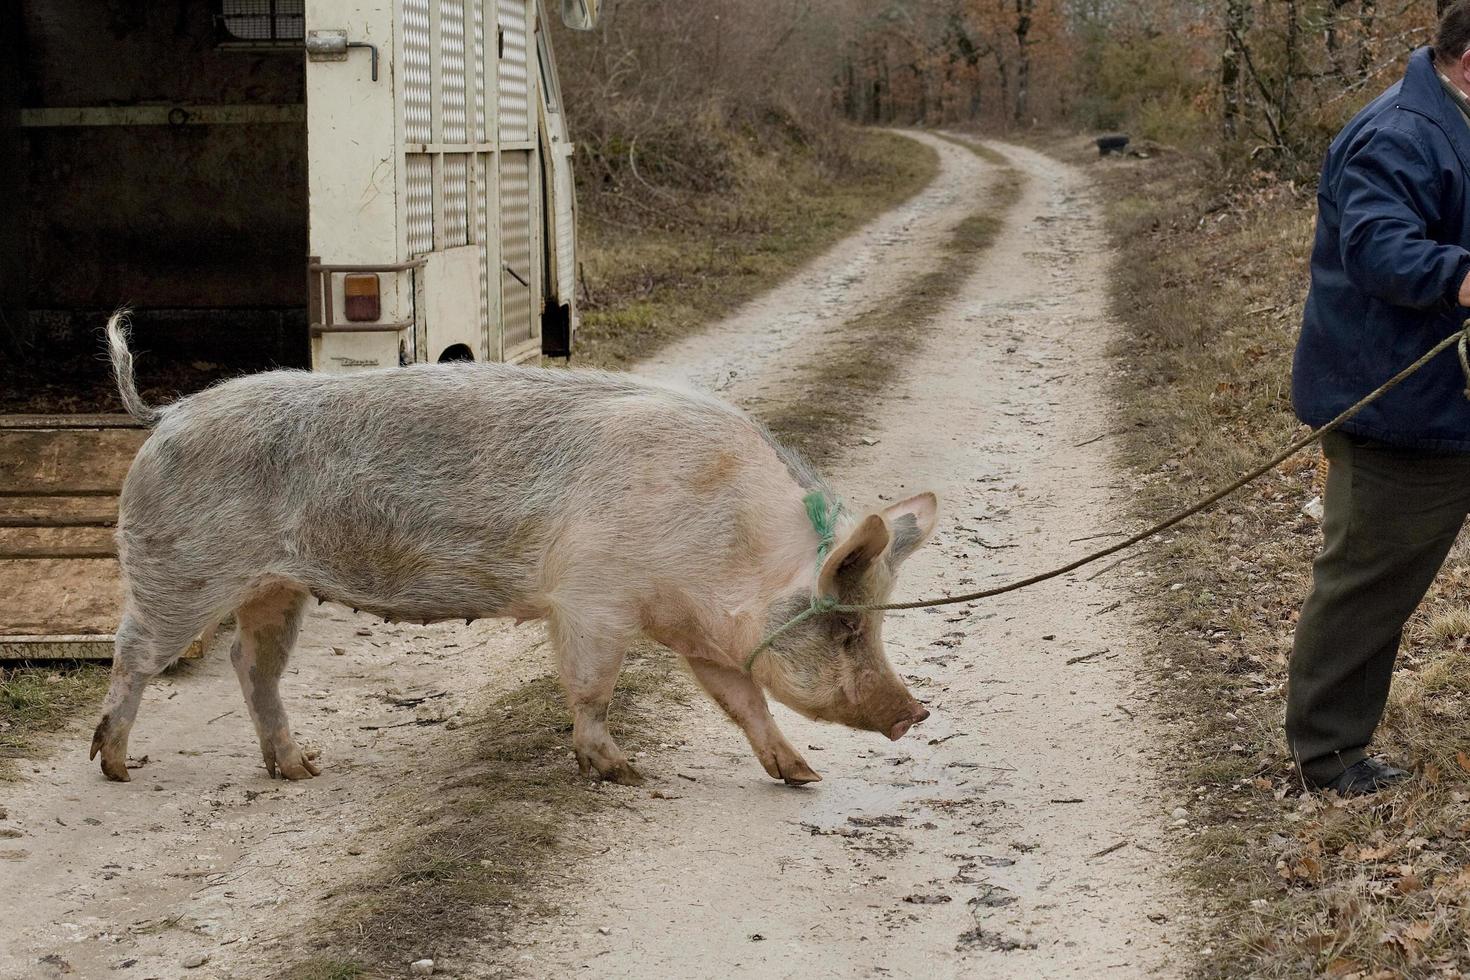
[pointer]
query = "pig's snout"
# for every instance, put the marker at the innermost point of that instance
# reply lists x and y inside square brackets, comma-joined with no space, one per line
[915,714]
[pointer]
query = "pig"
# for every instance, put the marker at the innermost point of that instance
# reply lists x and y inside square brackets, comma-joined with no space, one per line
[605,505]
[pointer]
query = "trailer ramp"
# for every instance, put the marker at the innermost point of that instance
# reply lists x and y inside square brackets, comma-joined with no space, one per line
[60,586]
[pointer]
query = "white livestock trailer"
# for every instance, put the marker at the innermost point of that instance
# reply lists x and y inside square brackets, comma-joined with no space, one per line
[442,217]
[333,184]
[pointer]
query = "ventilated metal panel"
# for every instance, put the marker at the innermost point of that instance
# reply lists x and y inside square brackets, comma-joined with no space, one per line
[487,250]
[477,72]
[514,84]
[453,86]
[418,126]
[565,229]
[420,203]
[264,20]
[517,271]
[456,199]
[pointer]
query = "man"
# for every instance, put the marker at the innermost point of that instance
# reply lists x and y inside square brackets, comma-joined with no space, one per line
[1389,271]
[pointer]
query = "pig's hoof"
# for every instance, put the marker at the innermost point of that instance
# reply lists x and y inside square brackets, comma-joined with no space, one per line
[609,766]
[291,763]
[114,770]
[624,775]
[114,760]
[790,768]
[795,772]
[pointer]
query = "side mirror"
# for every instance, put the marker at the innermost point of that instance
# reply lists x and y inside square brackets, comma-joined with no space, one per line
[580,15]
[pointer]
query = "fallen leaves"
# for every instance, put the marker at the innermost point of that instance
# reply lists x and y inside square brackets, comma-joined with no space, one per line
[1408,884]
[1304,866]
[1376,853]
[1408,936]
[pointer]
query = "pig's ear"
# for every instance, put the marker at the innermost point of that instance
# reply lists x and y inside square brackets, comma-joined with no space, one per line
[853,557]
[911,522]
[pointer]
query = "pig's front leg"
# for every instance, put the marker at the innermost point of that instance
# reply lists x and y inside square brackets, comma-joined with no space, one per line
[589,662]
[745,703]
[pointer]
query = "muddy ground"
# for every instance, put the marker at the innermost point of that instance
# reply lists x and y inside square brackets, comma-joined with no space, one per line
[1015,833]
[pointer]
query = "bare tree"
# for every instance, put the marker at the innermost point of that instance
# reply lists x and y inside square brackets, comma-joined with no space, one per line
[1237,20]
[1024,11]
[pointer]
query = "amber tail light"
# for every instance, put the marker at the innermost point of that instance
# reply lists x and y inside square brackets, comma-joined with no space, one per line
[360,292]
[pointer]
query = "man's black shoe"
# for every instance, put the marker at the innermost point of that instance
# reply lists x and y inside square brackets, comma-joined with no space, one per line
[1362,778]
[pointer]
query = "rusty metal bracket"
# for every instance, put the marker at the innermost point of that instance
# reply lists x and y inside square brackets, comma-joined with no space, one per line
[321,278]
[317,329]
[332,45]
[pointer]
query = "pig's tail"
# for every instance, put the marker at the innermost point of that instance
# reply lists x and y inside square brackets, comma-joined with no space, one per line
[122,370]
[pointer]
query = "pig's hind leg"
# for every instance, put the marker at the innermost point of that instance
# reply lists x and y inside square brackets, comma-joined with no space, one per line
[745,703]
[145,645]
[589,661]
[267,628]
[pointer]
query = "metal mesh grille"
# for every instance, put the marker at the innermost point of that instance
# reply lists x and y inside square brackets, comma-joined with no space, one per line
[264,20]
[452,85]
[482,235]
[515,244]
[514,80]
[418,124]
[456,199]
[420,172]
[478,70]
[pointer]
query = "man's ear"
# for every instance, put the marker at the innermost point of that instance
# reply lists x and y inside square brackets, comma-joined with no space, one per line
[911,522]
[852,557]
[1464,67]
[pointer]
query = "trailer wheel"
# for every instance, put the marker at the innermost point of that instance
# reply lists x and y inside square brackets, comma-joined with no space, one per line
[456,352]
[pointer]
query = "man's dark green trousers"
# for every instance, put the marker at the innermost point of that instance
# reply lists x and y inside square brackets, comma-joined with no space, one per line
[1391,516]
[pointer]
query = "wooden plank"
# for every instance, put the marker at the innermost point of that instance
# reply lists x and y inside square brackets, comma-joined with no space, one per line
[60,585]
[59,597]
[56,647]
[81,462]
[58,511]
[56,542]
[54,422]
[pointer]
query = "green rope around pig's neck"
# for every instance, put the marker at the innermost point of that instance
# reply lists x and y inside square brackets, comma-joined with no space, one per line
[824,513]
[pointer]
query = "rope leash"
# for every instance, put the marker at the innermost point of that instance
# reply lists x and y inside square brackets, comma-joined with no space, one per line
[828,604]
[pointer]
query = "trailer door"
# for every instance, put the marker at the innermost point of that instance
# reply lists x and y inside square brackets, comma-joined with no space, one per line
[520,189]
[403,180]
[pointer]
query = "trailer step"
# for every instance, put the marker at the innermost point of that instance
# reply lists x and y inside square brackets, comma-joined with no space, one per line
[57,646]
[53,422]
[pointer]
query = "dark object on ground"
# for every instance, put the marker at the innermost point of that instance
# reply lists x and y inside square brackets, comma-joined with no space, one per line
[1364,777]
[1111,144]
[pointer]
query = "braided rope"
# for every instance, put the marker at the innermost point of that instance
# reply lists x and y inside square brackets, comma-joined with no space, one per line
[826,604]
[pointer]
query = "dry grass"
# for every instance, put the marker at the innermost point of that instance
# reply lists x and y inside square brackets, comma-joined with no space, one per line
[643,288]
[468,859]
[993,157]
[37,698]
[837,388]
[1209,290]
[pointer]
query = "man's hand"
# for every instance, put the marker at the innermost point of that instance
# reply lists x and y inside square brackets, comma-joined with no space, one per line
[1465,291]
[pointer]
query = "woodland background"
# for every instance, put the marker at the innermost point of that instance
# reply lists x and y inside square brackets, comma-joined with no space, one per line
[659,93]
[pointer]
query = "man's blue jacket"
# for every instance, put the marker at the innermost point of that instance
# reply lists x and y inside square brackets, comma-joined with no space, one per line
[1390,254]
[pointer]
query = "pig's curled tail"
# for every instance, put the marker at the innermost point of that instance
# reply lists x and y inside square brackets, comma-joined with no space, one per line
[122,370]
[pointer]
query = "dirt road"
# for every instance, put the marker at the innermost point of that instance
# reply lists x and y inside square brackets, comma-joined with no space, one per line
[1015,834]
[990,844]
